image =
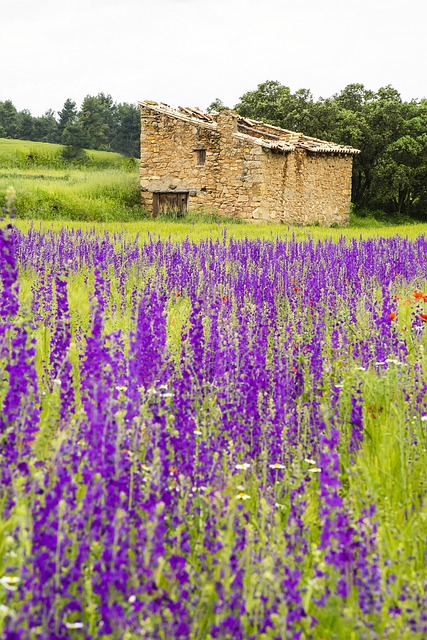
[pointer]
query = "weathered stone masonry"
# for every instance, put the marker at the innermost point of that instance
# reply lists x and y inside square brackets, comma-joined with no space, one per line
[241,168]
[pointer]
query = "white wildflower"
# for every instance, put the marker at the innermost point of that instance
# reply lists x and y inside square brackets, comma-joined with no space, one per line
[244,465]
[10,582]
[74,625]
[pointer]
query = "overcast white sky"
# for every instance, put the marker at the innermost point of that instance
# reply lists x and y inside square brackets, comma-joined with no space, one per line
[189,52]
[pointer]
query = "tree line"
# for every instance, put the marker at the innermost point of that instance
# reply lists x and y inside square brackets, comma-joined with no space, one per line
[100,123]
[390,174]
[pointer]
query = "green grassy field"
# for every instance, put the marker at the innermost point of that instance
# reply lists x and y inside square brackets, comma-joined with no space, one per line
[105,188]
[313,338]
[179,231]
[25,154]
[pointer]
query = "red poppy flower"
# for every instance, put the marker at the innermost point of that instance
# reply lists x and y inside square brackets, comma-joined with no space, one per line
[418,295]
[423,317]
[392,316]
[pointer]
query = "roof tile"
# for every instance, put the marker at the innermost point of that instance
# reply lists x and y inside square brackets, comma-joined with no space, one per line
[255,131]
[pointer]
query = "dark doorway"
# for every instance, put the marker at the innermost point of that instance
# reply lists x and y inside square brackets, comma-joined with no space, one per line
[173,202]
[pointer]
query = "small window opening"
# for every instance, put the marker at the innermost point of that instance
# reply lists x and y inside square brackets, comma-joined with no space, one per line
[200,156]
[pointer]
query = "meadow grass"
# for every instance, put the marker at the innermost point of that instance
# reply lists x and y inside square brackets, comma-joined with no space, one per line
[197,231]
[25,154]
[230,439]
[47,187]
[111,194]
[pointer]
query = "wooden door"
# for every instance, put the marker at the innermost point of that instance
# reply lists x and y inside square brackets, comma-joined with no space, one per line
[174,203]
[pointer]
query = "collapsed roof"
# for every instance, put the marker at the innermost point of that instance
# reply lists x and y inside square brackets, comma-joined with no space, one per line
[266,135]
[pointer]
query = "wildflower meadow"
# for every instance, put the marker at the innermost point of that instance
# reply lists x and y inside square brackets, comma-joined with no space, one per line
[221,439]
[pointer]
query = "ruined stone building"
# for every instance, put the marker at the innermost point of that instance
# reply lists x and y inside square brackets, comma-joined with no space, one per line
[237,167]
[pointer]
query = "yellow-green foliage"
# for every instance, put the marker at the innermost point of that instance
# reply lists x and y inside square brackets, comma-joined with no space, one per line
[179,231]
[105,188]
[25,154]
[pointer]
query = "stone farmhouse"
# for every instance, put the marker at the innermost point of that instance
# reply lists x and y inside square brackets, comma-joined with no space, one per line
[238,167]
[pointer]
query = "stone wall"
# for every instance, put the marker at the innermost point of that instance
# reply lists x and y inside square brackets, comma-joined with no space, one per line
[302,188]
[227,183]
[239,178]
[239,190]
[169,158]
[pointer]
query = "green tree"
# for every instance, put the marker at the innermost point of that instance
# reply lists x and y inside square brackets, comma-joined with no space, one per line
[274,104]
[354,97]
[271,102]
[342,119]
[125,129]
[25,125]
[68,114]
[216,105]
[96,118]
[45,128]
[9,119]
[401,172]
[75,140]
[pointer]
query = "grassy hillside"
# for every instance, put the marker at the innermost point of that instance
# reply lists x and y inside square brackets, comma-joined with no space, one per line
[105,188]
[25,154]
